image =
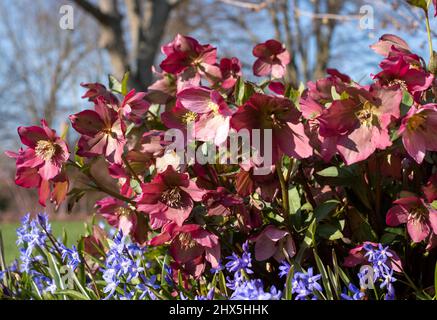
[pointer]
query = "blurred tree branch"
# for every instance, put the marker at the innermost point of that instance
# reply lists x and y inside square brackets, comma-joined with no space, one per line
[147,20]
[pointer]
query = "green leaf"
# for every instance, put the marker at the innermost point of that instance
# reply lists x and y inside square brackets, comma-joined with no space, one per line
[289,284]
[54,271]
[343,176]
[294,200]
[419,4]
[135,185]
[323,210]
[222,284]
[72,294]
[331,231]
[114,84]
[434,204]
[324,275]
[124,84]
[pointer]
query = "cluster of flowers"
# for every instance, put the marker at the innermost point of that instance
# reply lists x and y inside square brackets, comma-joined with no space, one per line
[341,152]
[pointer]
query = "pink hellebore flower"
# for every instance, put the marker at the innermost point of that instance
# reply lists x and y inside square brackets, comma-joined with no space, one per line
[185,54]
[356,257]
[419,131]
[96,90]
[46,152]
[209,111]
[118,214]
[134,107]
[430,190]
[102,132]
[273,58]
[169,197]
[42,162]
[230,70]
[420,217]
[355,127]
[221,202]
[272,242]
[279,115]
[385,45]
[189,243]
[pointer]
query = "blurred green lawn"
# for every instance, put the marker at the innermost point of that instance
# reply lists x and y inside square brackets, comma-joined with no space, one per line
[74,230]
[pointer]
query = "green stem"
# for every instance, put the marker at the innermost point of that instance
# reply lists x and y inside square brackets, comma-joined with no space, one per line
[428,30]
[102,188]
[285,202]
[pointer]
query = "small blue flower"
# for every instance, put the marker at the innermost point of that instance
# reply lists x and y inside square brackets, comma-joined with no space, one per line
[244,263]
[284,269]
[304,285]
[357,294]
[254,290]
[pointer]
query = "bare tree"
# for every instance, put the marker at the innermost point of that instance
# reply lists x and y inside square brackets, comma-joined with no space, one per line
[41,62]
[146,20]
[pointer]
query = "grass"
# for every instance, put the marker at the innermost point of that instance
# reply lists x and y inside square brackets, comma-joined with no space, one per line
[74,229]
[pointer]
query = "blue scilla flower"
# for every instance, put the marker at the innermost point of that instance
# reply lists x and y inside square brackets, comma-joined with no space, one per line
[284,269]
[236,281]
[305,284]
[168,274]
[209,296]
[357,294]
[70,256]
[254,290]
[237,263]
[144,288]
[123,265]
[30,234]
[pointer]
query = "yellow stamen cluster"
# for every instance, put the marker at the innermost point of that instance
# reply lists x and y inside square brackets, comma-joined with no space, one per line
[213,106]
[45,149]
[171,197]
[366,114]
[186,241]
[416,121]
[189,117]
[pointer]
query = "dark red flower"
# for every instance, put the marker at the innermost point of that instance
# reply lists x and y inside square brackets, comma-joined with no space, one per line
[185,54]
[273,58]
[420,217]
[279,115]
[169,196]
[272,242]
[102,132]
[221,202]
[430,190]
[190,246]
[46,152]
[209,112]
[134,107]
[358,125]
[96,90]
[118,214]
[230,71]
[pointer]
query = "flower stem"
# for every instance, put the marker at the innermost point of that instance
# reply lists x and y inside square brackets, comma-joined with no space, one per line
[285,202]
[428,30]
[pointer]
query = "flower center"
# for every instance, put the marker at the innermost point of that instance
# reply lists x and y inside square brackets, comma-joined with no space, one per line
[415,122]
[45,149]
[186,241]
[419,214]
[189,117]
[213,106]
[123,212]
[171,197]
[399,82]
[365,115]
